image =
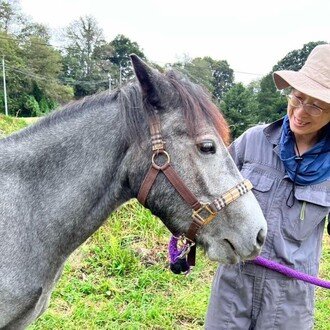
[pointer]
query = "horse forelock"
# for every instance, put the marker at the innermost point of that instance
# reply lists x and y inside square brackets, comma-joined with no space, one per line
[193,100]
[198,106]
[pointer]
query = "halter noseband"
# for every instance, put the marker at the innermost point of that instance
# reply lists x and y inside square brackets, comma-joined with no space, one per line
[203,213]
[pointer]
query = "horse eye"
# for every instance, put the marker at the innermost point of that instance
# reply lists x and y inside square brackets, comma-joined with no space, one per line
[206,147]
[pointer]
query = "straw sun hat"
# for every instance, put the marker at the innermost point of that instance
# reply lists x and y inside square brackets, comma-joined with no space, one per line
[313,78]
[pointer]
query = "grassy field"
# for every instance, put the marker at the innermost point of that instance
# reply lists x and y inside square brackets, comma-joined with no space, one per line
[119,278]
[322,311]
[9,125]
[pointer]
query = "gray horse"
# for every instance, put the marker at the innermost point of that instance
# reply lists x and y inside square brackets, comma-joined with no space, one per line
[62,177]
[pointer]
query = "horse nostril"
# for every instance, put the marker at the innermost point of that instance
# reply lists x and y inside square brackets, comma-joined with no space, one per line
[261,237]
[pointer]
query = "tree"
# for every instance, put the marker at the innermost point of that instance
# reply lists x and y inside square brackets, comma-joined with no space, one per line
[15,80]
[223,78]
[31,29]
[83,38]
[199,70]
[216,76]
[271,103]
[46,64]
[239,105]
[9,15]
[122,47]
[32,71]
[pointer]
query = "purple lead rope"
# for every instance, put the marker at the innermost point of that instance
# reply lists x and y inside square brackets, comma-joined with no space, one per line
[291,272]
[179,264]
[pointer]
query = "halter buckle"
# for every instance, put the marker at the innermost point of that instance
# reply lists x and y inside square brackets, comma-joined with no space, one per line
[204,214]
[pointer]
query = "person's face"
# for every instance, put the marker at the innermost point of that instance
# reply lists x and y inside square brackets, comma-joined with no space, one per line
[302,122]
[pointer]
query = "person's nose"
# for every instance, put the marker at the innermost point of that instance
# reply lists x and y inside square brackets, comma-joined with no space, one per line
[300,111]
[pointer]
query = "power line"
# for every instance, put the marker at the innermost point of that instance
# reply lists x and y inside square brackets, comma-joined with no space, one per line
[27,73]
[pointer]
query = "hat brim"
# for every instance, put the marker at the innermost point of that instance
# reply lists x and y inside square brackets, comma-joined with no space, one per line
[302,83]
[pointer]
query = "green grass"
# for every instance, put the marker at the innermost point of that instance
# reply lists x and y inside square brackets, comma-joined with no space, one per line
[9,125]
[322,307]
[119,278]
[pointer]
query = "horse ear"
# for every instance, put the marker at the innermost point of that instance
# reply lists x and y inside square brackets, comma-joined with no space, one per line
[149,79]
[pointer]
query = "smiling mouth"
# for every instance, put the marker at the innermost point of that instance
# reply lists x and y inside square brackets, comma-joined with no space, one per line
[299,122]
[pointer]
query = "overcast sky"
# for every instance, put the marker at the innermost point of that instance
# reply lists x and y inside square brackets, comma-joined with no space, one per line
[251,35]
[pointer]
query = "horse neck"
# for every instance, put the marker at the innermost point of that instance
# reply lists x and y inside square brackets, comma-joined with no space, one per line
[71,174]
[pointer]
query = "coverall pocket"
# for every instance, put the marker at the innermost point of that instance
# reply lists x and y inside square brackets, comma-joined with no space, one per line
[262,184]
[305,215]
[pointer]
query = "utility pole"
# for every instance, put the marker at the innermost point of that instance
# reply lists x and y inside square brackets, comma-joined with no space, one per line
[109,76]
[4,85]
[120,69]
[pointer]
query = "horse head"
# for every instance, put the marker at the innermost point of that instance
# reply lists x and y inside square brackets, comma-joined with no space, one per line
[189,135]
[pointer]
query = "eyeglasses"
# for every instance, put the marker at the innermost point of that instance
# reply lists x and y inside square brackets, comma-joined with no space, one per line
[312,110]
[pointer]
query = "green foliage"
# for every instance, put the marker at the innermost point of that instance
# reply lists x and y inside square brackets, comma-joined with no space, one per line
[32,105]
[82,54]
[15,82]
[46,64]
[216,76]
[240,107]
[32,65]
[9,15]
[32,30]
[90,63]
[199,70]
[223,77]
[272,104]
[122,48]
[44,106]
[36,71]
[37,109]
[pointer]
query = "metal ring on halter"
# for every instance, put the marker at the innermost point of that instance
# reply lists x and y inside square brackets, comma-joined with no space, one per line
[166,163]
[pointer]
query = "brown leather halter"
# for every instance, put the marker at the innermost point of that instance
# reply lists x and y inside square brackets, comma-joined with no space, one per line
[203,213]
